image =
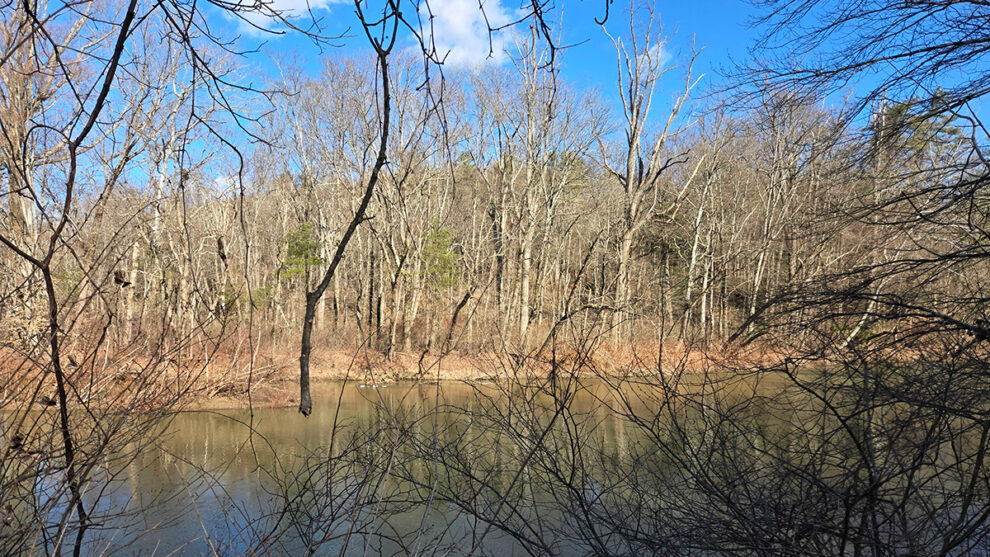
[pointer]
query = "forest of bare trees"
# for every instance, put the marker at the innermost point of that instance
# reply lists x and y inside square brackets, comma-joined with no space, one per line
[527,196]
[775,279]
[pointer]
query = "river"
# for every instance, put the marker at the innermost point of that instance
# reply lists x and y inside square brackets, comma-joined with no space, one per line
[235,481]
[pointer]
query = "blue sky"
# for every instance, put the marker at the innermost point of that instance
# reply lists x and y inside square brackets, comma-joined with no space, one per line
[717,25]
[720,27]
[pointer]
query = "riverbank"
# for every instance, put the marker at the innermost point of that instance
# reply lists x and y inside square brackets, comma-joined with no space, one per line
[230,379]
[277,386]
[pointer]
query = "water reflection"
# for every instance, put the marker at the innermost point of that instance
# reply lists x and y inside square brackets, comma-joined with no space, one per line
[636,467]
[222,481]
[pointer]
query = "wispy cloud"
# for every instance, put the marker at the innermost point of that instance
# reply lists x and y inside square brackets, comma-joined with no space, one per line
[289,9]
[658,56]
[460,31]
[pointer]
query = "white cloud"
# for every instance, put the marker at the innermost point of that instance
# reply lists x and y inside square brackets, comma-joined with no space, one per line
[459,28]
[657,56]
[289,9]
[460,31]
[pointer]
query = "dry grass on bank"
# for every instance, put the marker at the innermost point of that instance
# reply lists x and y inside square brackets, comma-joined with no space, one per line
[229,376]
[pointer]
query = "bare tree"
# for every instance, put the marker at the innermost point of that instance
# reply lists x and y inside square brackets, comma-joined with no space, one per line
[645,155]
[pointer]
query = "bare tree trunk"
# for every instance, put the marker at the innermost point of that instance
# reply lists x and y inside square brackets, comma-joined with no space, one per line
[313,296]
[409,319]
[622,294]
[693,263]
[132,278]
[525,278]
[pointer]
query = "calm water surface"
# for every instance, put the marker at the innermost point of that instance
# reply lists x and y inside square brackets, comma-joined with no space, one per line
[209,483]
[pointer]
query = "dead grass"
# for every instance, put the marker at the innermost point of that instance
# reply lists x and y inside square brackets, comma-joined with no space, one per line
[222,378]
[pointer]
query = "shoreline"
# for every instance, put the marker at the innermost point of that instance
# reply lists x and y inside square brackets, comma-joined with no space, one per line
[222,382]
[286,395]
